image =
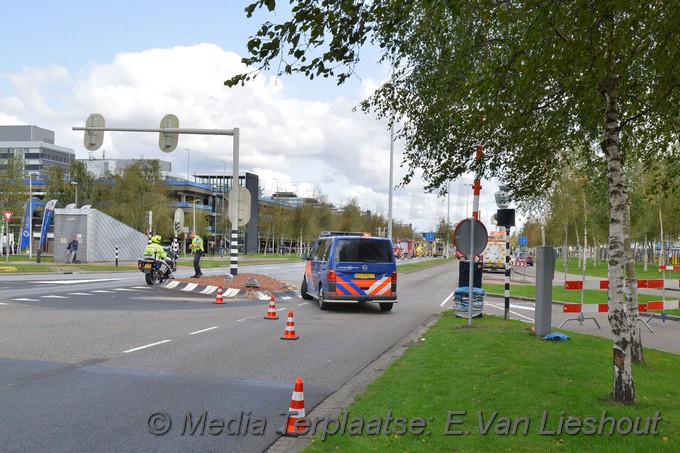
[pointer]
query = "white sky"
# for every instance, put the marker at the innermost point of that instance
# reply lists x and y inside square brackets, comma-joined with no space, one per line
[136,61]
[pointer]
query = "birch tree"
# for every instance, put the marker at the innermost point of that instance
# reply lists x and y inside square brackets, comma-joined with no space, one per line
[535,84]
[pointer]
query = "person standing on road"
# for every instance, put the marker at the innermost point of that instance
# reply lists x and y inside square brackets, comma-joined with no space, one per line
[72,250]
[197,249]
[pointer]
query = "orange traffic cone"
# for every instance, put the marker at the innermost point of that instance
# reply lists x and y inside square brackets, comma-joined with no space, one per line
[289,333]
[296,412]
[271,312]
[219,299]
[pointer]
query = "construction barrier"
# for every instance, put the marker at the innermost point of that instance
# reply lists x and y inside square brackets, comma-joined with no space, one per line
[582,308]
[604,284]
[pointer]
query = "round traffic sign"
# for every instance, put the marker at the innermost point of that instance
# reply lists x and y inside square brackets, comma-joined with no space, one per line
[470,237]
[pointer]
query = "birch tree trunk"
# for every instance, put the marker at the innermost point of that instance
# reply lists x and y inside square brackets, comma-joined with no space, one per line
[631,292]
[578,249]
[623,390]
[662,257]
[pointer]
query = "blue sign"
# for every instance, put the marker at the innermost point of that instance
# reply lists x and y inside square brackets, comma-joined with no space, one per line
[523,240]
[428,236]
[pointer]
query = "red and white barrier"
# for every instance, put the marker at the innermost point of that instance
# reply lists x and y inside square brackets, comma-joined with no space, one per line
[663,305]
[593,308]
[604,284]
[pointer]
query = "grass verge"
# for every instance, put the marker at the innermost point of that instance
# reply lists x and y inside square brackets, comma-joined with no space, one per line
[494,386]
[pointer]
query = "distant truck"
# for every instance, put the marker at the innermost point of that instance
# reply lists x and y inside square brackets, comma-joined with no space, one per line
[494,253]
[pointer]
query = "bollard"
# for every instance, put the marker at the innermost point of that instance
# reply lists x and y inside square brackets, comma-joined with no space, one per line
[116,256]
[37,260]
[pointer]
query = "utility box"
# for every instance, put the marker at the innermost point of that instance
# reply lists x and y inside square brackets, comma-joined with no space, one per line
[545,272]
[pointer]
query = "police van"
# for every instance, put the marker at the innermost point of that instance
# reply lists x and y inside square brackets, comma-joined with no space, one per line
[350,267]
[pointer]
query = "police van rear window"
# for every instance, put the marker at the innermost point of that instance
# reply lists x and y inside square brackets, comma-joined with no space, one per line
[363,250]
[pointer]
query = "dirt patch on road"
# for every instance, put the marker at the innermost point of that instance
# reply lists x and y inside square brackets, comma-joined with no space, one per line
[241,281]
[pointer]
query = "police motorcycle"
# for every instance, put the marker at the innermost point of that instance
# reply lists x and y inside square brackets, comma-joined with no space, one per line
[157,269]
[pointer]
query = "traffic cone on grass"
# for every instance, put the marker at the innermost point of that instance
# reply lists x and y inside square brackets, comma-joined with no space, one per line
[271,312]
[289,333]
[295,412]
[219,299]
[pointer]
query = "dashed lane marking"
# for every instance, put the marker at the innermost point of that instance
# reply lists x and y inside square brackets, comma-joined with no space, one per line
[146,346]
[70,282]
[204,330]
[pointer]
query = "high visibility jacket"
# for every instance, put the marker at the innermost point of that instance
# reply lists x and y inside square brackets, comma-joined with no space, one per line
[197,244]
[156,249]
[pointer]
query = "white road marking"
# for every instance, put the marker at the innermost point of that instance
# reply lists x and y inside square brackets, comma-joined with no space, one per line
[446,300]
[516,306]
[244,319]
[146,346]
[102,291]
[69,282]
[302,303]
[514,313]
[204,330]
[79,294]
[53,296]
[26,300]
[2,303]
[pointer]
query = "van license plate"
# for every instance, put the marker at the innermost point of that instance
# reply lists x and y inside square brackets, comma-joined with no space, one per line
[364,275]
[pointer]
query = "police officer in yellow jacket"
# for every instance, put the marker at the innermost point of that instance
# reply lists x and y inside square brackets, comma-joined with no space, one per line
[197,249]
[154,248]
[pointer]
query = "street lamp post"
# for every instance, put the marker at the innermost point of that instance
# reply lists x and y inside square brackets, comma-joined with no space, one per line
[75,183]
[448,219]
[188,155]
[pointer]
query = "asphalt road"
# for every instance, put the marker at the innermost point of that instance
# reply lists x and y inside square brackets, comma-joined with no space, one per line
[98,362]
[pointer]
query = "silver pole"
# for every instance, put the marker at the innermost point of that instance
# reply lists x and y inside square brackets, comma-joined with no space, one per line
[389,207]
[471,274]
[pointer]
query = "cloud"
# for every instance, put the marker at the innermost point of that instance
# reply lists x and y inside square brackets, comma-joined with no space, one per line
[308,146]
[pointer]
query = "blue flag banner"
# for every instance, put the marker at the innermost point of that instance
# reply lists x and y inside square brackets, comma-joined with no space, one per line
[25,233]
[47,218]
